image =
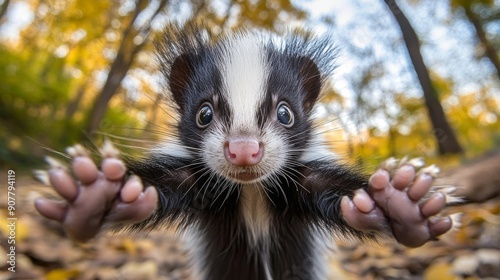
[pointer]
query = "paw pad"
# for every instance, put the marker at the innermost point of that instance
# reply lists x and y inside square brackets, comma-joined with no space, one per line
[407,206]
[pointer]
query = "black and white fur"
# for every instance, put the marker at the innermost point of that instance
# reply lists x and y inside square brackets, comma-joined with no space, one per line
[268,227]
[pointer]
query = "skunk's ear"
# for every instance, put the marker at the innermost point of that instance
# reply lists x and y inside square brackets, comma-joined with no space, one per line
[180,75]
[311,81]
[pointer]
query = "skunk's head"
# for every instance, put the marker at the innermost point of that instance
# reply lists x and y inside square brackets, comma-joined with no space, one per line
[245,100]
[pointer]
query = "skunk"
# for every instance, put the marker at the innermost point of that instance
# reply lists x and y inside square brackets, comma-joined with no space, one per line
[257,183]
[247,176]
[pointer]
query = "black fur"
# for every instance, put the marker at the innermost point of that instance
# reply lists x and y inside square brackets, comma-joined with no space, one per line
[309,193]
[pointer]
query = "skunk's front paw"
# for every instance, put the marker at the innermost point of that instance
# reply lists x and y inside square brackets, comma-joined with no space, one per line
[400,201]
[94,197]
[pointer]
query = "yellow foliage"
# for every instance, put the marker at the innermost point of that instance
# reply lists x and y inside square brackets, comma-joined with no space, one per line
[62,274]
[130,246]
[21,228]
[441,271]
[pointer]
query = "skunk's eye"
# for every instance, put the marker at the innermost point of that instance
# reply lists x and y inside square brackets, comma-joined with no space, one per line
[285,115]
[204,116]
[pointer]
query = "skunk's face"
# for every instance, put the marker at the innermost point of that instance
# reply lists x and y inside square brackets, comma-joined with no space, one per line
[245,106]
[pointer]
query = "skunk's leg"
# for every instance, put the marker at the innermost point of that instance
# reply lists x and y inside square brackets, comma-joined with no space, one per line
[95,197]
[399,201]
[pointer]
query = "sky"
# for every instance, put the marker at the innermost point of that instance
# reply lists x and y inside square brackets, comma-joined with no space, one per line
[18,15]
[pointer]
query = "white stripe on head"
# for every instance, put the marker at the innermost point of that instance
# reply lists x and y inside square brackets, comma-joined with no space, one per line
[245,78]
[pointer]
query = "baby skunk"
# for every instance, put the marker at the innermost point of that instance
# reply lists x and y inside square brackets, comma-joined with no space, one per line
[247,176]
[248,160]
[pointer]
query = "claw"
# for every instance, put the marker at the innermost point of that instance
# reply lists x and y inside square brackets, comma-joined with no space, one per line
[77,150]
[55,164]
[403,161]
[390,164]
[448,191]
[42,176]
[417,162]
[432,170]
[109,150]
[456,219]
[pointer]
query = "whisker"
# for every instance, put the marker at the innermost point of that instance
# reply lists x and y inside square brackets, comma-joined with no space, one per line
[267,195]
[206,170]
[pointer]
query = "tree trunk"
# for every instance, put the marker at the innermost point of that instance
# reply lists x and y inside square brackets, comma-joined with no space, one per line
[445,137]
[3,9]
[391,142]
[477,180]
[490,51]
[154,114]
[120,66]
[72,107]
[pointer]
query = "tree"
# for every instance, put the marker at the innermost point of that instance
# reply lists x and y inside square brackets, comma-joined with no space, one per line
[3,8]
[201,9]
[127,51]
[468,7]
[446,139]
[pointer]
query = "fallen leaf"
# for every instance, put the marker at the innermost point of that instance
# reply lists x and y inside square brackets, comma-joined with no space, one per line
[465,265]
[441,271]
[62,274]
[146,271]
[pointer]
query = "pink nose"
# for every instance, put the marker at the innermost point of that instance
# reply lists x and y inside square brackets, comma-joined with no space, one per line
[243,151]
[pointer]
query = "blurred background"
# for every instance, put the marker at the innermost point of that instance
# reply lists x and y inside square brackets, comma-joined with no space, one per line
[73,69]
[414,78]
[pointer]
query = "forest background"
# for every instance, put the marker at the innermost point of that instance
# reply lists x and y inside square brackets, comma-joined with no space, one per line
[76,70]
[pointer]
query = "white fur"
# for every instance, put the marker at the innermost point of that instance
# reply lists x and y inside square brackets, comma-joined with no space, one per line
[317,149]
[255,212]
[195,244]
[245,75]
[257,219]
[173,147]
[255,215]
